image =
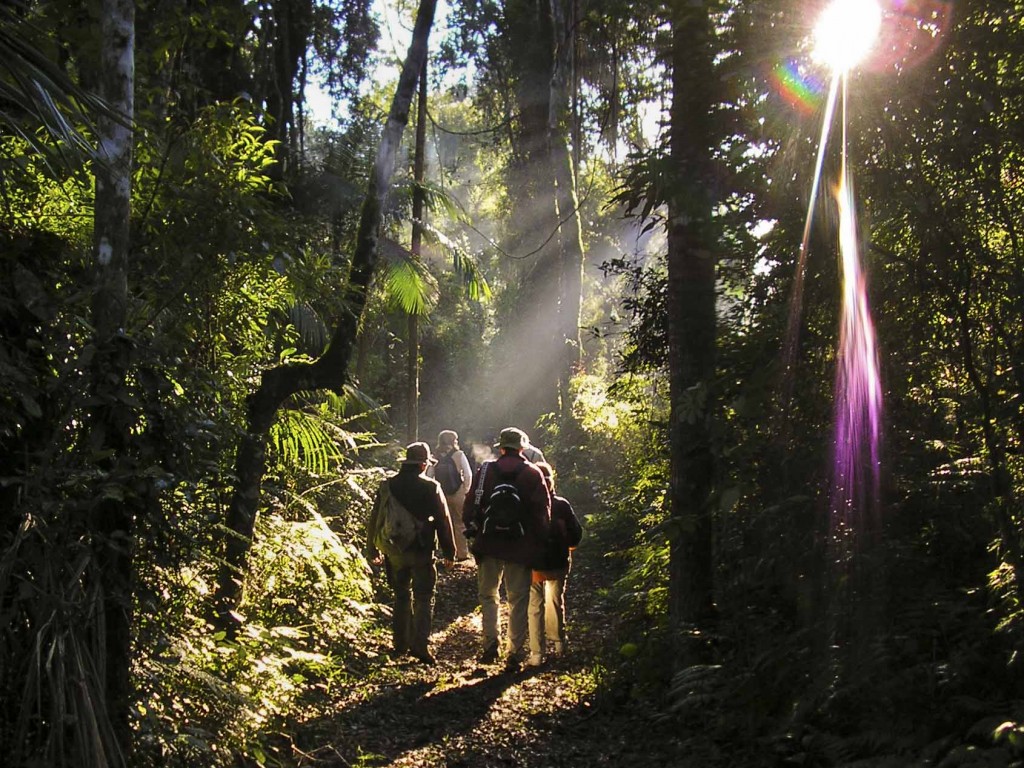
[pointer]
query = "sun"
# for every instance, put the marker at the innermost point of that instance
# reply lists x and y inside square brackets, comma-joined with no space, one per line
[846,32]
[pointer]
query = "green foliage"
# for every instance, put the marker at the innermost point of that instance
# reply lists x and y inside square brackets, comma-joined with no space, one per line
[314,431]
[36,91]
[305,617]
[304,576]
[411,288]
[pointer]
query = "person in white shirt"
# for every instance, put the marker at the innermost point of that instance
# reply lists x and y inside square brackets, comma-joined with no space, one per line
[532,452]
[454,473]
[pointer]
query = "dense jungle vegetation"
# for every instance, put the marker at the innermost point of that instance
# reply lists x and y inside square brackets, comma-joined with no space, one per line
[224,309]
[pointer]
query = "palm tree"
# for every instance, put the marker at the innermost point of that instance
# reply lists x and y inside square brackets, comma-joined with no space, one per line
[35,92]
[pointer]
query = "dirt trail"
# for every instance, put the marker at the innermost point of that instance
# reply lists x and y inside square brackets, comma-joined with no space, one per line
[459,713]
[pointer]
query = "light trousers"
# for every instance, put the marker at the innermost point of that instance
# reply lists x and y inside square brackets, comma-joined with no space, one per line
[455,506]
[490,573]
[547,609]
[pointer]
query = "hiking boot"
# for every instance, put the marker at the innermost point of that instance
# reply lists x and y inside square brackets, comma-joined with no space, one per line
[490,654]
[512,663]
[534,660]
[558,648]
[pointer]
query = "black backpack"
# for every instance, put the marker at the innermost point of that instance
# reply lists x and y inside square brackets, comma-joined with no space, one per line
[447,474]
[504,512]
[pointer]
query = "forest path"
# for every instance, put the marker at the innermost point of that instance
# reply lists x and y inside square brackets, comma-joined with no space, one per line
[461,713]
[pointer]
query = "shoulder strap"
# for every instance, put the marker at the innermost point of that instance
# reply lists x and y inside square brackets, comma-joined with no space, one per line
[385,492]
[480,483]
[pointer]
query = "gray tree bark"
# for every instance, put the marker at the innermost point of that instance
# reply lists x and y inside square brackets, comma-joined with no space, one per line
[566,202]
[112,519]
[419,163]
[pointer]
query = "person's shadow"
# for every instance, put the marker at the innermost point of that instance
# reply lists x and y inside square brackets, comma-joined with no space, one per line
[406,716]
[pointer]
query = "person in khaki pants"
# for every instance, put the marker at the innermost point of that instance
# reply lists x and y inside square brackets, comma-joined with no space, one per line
[454,473]
[547,593]
[502,554]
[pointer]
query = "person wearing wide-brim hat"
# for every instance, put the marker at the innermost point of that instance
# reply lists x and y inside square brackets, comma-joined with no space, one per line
[412,572]
[503,557]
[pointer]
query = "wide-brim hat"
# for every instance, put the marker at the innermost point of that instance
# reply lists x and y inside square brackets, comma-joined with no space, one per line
[513,438]
[418,453]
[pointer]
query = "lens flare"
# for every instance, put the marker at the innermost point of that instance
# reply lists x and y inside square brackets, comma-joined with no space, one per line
[858,388]
[858,391]
[845,33]
[798,87]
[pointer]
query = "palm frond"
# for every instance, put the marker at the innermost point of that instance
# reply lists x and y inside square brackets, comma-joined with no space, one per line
[311,327]
[304,439]
[463,262]
[437,199]
[411,288]
[39,92]
[48,629]
[312,431]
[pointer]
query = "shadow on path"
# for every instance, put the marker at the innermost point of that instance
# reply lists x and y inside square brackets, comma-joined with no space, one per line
[458,714]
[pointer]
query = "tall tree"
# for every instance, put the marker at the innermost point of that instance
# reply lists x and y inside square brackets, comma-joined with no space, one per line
[330,370]
[113,516]
[418,194]
[566,202]
[692,258]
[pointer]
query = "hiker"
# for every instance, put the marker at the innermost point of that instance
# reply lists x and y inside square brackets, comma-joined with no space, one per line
[531,452]
[507,539]
[547,592]
[410,566]
[454,473]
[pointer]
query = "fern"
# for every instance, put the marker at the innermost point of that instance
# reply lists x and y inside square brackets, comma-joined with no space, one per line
[313,432]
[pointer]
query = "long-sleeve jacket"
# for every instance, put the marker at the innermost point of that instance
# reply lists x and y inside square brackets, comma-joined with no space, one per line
[534,494]
[425,500]
[566,532]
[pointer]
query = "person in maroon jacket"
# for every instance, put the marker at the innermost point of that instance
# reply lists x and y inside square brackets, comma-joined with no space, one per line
[503,555]
[412,574]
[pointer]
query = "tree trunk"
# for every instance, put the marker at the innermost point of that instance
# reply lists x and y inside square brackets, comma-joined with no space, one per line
[419,161]
[691,330]
[331,369]
[566,204]
[533,324]
[112,520]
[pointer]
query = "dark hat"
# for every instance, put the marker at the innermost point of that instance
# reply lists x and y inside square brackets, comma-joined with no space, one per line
[513,438]
[418,453]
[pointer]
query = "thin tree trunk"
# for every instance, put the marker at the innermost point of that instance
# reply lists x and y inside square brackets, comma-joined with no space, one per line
[418,165]
[113,517]
[566,203]
[330,371]
[691,330]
